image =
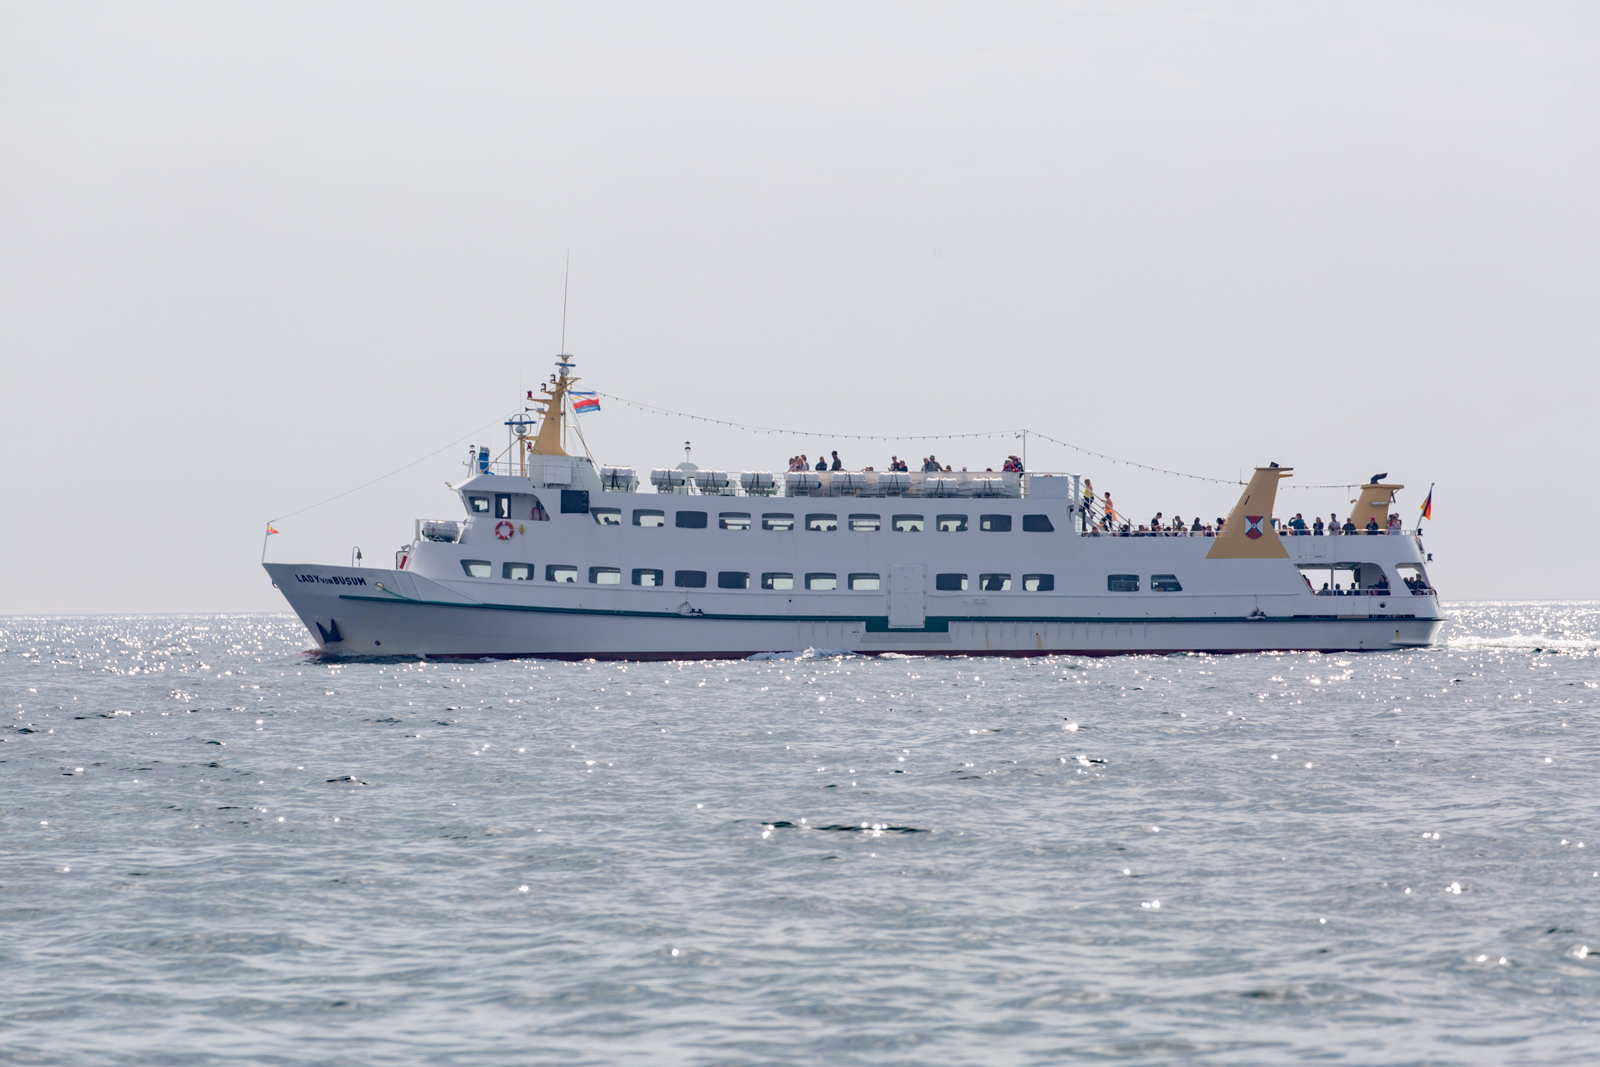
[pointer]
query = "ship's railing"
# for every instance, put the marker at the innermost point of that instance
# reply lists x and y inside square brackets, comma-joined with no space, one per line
[980,484]
[1376,592]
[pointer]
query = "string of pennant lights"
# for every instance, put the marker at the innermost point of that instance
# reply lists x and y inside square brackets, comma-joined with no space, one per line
[1020,432]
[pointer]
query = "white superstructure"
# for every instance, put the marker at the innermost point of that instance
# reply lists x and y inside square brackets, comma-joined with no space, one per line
[556,557]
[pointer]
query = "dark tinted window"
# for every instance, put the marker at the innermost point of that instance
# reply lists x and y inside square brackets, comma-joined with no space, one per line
[1165,583]
[646,576]
[950,583]
[477,568]
[1038,583]
[517,572]
[1122,583]
[995,523]
[502,505]
[733,580]
[690,579]
[560,572]
[994,583]
[908,523]
[649,517]
[692,520]
[478,504]
[1037,524]
[950,523]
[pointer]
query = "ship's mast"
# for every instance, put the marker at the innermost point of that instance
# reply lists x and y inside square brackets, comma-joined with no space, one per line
[552,436]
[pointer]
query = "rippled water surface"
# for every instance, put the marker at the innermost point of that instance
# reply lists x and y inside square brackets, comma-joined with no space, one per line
[220,850]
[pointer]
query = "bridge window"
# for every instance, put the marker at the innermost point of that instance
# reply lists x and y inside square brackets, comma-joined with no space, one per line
[517,572]
[776,520]
[689,579]
[950,583]
[777,581]
[607,516]
[1038,583]
[734,520]
[478,505]
[605,575]
[477,568]
[646,576]
[691,520]
[865,523]
[1165,583]
[908,523]
[951,524]
[994,583]
[820,582]
[649,517]
[560,572]
[995,523]
[1037,524]
[733,580]
[502,505]
[1122,583]
[865,583]
[822,523]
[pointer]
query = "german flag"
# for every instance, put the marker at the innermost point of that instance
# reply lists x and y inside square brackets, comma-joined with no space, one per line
[1427,505]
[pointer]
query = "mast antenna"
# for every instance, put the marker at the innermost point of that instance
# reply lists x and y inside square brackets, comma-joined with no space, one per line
[566,276]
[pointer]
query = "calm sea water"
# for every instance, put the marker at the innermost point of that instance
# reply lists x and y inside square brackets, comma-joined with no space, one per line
[220,850]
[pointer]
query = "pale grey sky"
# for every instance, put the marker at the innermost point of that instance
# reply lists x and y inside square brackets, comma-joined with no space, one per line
[252,255]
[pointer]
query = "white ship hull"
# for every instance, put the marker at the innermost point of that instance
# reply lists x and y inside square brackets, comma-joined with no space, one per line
[435,607]
[371,623]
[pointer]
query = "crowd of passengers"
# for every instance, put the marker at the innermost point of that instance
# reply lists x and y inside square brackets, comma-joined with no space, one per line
[1106,522]
[930,465]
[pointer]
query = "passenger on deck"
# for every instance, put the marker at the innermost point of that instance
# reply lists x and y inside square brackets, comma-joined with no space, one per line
[1324,584]
[1298,525]
[1394,523]
[1333,524]
[1316,527]
[1373,529]
[1349,527]
[837,464]
[822,463]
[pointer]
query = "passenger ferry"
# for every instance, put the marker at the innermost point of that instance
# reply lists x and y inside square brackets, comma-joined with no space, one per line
[558,557]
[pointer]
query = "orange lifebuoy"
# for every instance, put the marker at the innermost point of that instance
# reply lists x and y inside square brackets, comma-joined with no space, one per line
[504,530]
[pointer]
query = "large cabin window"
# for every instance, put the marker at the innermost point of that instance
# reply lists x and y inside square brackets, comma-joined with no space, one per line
[1165,583]
[950,583]
[951,524]
[477,568]
[1038,583]
[994,583]
[607,516]
[560,572]
[646,576]
[865,583]
[733,580]
[517,572]
[649,517]
[775,520]
[691,520]
[819,582]
[777,581]
[605,575]
[689,579]
[908,523]
[865,523]
[734,520]
[995,523]
[822,523]
[1037,524]
[478,505]
[1122,583]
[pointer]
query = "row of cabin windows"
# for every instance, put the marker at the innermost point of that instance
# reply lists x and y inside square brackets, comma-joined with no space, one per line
[821,522]
[770,580]
[1129,583]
